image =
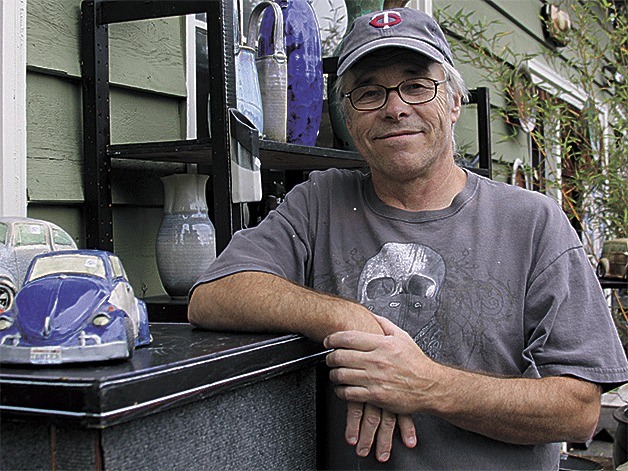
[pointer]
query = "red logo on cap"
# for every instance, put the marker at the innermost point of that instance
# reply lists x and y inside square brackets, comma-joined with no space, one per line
[386,19]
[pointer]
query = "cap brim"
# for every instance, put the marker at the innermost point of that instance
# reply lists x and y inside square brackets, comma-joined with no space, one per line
[420,47]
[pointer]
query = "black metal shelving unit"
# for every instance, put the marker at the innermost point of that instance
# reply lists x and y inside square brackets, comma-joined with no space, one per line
[98,150]
[212,154]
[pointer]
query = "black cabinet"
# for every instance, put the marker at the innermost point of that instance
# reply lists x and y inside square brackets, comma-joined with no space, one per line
[180,403]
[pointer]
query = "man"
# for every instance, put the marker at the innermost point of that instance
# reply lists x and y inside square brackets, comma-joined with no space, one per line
[460,310]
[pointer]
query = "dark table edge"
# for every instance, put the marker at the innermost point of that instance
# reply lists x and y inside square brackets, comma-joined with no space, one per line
[296,352]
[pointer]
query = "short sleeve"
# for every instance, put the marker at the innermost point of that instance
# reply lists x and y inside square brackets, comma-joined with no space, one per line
[278,245]
[568,325]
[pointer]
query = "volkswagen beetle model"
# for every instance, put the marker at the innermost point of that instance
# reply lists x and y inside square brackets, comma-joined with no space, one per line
[614,260]
[20,240]
[75,306]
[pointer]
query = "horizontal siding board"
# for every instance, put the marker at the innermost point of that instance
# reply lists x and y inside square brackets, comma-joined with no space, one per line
[54,137]
[149,55]
[143,117]
[146,55]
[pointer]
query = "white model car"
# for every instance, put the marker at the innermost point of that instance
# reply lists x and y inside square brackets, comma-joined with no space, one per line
[21,239]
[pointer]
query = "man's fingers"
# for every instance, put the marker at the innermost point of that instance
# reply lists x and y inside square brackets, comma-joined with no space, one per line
[354,418]
[371,419]
[407,429]
[353,339]
[347,358]
[383,444]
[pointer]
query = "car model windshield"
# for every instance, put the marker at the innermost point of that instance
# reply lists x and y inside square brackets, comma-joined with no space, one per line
[69,264]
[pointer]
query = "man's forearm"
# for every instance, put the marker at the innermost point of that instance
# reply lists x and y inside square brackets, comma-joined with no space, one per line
[255,301]
[396,375]
[522,411]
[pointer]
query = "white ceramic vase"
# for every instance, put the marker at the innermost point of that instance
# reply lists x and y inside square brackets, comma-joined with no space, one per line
[186,240]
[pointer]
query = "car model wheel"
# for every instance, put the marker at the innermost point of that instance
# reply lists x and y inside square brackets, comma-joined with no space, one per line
[7,294]
[601,271]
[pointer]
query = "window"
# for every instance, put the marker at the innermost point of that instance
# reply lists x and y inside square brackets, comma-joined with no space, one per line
[116,265]
[3,233]
[29,234]
[60,238]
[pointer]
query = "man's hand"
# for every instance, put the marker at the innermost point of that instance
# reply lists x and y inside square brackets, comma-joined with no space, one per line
[367,424]
[389,372]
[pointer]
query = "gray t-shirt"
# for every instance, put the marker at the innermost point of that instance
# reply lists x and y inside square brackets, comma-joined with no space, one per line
[498,283]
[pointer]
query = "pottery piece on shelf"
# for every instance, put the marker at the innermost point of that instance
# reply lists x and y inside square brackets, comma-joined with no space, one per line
[305,68]
[186,240]
[272,71]
[248,93]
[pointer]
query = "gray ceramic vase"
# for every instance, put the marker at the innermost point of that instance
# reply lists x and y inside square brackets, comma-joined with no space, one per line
[186,240]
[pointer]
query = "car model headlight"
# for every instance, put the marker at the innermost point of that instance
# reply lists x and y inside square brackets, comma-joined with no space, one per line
[101,320]
[5,323]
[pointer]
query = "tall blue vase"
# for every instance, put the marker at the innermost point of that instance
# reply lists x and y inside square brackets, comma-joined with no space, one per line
[305,68]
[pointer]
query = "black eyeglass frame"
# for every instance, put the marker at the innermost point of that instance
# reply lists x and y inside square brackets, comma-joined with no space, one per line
[397,89]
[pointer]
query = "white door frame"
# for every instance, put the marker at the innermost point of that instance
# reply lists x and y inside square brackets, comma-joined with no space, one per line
[13,108]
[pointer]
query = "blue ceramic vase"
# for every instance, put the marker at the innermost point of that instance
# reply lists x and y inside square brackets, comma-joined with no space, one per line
[305,68]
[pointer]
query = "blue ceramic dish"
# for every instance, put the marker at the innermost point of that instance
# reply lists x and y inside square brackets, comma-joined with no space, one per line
[75,306]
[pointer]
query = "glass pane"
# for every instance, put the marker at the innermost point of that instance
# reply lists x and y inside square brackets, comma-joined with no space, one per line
[117,266]
[61,238]
[3,233]
[30,234]
[74,264]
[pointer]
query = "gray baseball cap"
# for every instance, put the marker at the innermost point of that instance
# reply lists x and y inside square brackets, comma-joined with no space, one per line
[398,27]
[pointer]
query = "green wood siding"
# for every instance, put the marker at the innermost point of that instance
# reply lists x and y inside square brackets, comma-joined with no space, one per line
[148,92]
[53,139]
[54,134]
[521,19]
[148,55]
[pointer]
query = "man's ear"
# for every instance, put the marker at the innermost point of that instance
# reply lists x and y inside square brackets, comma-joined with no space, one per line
[347,121]
[456,108]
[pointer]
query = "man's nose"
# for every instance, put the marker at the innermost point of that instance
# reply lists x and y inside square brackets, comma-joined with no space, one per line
[394,104]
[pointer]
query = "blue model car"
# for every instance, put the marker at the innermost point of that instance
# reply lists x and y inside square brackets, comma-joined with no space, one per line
[74,306]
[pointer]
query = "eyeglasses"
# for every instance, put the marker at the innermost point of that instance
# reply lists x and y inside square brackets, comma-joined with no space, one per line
[412,91]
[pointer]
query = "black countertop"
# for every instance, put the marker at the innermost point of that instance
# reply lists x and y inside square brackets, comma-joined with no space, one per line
[181,365]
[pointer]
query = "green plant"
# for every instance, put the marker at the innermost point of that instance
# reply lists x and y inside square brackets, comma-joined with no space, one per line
[595,61]
[591,139]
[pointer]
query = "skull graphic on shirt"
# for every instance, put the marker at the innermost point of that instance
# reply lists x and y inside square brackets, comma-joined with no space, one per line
[402,283]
